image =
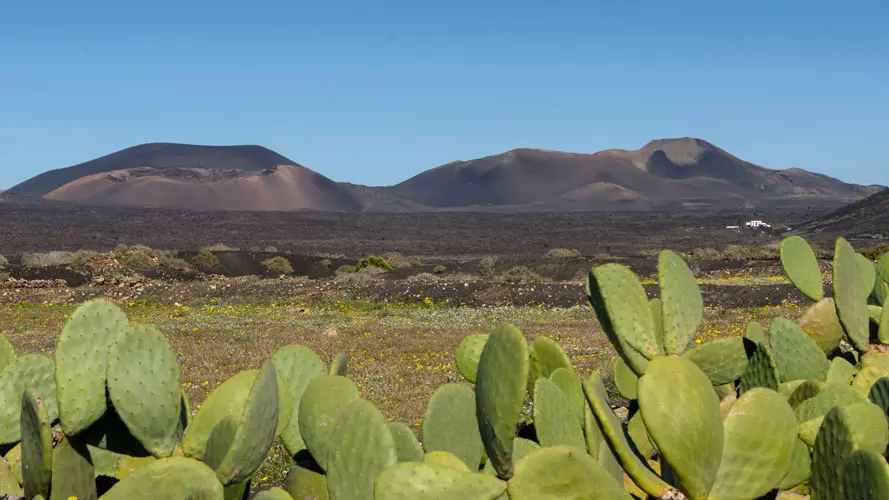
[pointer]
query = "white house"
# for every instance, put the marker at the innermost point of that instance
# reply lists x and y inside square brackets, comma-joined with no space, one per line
[756,223]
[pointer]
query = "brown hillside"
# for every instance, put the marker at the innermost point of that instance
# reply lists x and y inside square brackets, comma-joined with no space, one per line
[284,187]
[865,221]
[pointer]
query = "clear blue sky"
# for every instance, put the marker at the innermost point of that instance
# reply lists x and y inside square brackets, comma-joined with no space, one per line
[374,92]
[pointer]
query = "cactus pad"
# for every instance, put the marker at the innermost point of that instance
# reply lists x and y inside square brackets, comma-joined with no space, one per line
[174,478]
[867,377]
[72,472]
[657,317]
[226,400]
[821,324]
[36,445]
[883,267]
[296,366]
[82,362]
[616,294]
[31,371]
[450,424]
[639,436]
[755,333]
[500,394]
[521,447]
[821,403]
[417,481]
[361,448]
[339,366]
[833,446]
[468,352]
[321,404]
[805,390]
[865,476]
[625,379]
[546,355]
[879,394]
[7,353]
[850,295]
[303,483]
[801,266]
[800,468]
[273,494]
[255,431]
[681,302]
[143,384]
[407,447]
[563,473]
[220,442]
[723,360]
[841,371]
[760,437]
[883,329]
[569,383]
[555,420]
[681,412]
[9,485]
[760,372]
[797,357]
[445,459]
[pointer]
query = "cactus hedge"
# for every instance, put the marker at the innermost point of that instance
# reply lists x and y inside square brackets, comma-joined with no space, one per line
[798,410]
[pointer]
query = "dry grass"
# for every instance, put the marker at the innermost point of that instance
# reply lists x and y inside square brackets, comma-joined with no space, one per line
[278,264]
[563,253]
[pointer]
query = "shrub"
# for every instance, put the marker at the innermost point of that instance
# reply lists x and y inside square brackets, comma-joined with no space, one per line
[270,249]
[140,257]
[373,261]
[704,254]
[58,258]
[874,253]
[439,269]
[399,261]
[278,264]
[521,274]
[563,253]
[3,262]
[205,258]
[220,247]
[486,265]
[749,252]
[352,275]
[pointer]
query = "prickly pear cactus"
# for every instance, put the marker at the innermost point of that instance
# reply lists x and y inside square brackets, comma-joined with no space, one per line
[36,445]
[555,421]
[622,307]
[546,356]
[760,371]
[296,366]
[226,400]
[723,360]
[570,384]
[563,473]
[801,266]
[273,494]
[322,402]
[72,472]
[755,333]
[797,357]
[833,446]
[500,393]
[865,476]
[681,301]
[407,448]
[361,448]
[821,324]
[7,353]
[175,478]
[450,424]
[445,459]
[850,295]
[31,371]
[305,483]
[468,353]
[82,362]
[339,366]
[143,384]
[625,379]
[418,481]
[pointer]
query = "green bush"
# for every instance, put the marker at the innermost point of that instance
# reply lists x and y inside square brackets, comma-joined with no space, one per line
[704,254]
[221,247]
[205,259]
[874,253]
[749,252]
[278,264]
[137,257]
[521,274]
[400,261]
[563,253]
[486,266]
[270,249]
[79,258]
[3,262]
[373,261]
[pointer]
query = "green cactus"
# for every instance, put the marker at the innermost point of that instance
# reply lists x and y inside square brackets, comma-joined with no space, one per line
[874,359]
[226,400]
[445,459]
[555,420]
[622,307]
[805,390]
[418,481]
[612,431]
[883,267]
[72,473]
[879,394]
[796,356]
[521,447]
[174,478]
[31,371]
[238,491]
[128,465]
[255,430]
[468,353]
[760,372]
[339,365]
[867,377]
[407,448]
[639,436]
[800,468]
[304,483]
[296,366]
[723,360]
[681,302]
[681,412]
[760,437]
[449,424]
[9,486]
[827,398]
[625,379]
[14,457]
[361,448]
[755,333]
[143,384]
[883,330]
[500,393]
[657,317]
[546,355]
[322,402]
[273,494]
[37,453]
[563,473]
[850,295]
[220,442]
[82,362]
[801,266]
[821,324]
[569,383]
[833,446]
[867,272]
[840,371]
[7,353]
[865,476]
